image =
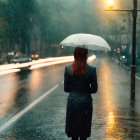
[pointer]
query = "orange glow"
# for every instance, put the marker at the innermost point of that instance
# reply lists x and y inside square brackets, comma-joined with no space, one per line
[51,63]
[9,71]
[6,66]
[111,4]
[10,68]
[111,119]
[7,99]
[60,61]
[35,81]
[91,58]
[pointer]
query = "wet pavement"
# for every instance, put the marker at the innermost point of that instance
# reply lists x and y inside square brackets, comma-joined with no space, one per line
[114,116]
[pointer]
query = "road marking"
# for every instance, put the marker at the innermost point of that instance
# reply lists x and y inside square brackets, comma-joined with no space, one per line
[25,110]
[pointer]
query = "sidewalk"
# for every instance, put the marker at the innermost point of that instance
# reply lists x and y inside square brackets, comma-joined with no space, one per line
[128,67]
[114,116]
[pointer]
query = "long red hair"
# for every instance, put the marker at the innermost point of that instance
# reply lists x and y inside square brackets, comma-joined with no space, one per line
[80,61]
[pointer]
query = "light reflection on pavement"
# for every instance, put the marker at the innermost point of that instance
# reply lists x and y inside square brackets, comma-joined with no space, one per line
[114,116]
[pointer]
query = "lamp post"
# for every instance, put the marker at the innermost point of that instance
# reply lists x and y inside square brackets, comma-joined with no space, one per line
[133,65]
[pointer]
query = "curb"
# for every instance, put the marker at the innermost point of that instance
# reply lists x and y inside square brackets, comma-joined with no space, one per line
[126,67]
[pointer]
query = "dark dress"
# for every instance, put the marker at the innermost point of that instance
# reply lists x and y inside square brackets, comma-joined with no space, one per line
[79,105]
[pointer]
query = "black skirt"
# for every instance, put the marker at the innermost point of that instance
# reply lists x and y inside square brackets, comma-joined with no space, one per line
[79,117]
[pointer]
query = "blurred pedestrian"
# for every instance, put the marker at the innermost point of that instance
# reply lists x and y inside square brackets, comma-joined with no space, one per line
[80,81]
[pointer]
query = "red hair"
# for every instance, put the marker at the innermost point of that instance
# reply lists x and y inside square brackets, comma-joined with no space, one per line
[79,64]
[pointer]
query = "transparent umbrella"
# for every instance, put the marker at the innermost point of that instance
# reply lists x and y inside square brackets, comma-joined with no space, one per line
[88,41]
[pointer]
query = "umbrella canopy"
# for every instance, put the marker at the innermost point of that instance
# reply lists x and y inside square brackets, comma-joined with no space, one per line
[88,41]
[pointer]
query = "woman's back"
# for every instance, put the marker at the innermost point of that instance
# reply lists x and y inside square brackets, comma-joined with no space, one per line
[85,84]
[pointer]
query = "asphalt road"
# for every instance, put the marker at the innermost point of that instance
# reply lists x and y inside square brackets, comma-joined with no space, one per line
[34,104]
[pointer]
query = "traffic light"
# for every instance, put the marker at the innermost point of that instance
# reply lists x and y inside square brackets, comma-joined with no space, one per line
[118,50]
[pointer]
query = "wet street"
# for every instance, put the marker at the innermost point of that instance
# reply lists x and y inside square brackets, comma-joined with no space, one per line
[34,104]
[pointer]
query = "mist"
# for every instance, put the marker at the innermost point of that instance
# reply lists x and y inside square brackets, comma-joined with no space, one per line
[38,26]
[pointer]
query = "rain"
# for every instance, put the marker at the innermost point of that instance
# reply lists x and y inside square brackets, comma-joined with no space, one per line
[32,64]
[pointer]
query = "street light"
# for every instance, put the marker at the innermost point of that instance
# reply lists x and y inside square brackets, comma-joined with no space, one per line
[111,4]
[133,65]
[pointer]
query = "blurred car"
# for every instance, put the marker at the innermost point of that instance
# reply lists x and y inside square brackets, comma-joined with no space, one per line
[35,56]
[21,59]
[25,69]
[123,59]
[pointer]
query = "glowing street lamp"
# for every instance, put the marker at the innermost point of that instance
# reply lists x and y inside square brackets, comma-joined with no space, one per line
[111,4]
[133,65]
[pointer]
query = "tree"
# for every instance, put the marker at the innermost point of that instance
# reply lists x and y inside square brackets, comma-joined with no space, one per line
[45,22]
[18,18]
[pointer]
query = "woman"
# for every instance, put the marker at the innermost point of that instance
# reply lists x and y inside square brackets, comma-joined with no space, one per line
[80,81]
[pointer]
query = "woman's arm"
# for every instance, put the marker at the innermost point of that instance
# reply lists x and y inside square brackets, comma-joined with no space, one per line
[94,85]
[66,81]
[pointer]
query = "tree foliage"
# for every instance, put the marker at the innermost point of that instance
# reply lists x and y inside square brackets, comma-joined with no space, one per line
[45,22]
[18,18]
